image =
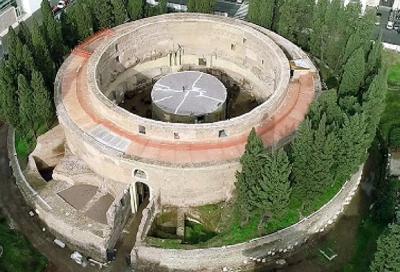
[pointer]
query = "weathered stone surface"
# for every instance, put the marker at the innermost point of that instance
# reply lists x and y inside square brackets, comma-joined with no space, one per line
[198,167]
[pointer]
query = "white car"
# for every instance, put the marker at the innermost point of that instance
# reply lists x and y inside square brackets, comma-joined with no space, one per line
[61,5]
[390,25]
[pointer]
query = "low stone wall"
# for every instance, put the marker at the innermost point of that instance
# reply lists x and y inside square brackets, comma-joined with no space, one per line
[148,215]
[30,195]
[93,244]
[246,255]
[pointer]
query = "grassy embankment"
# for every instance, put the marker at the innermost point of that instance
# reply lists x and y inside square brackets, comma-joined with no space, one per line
[18,255]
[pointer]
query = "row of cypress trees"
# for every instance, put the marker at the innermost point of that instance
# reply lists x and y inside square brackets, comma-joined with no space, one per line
[203,6]
[89,16]
[326,29]
[27,73]
[333,140]
[33,55]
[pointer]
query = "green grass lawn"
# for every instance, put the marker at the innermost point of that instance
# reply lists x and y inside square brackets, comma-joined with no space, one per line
[391,115]
[18,255]
[224,219]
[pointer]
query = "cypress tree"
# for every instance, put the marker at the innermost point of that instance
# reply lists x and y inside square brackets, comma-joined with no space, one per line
[8,95]
[69,30]
[276,14]
[318,34]
[26,106]
[246,180]
[352,45]
[326,104]
[321,159]
[287,25]
[301,150]
[366,27]
[119,12]
[28,62]
[261,12]
[43,105]
[353,74]
[304,18]
[20,59]
[82,21]
[14,50]
[42,55]
[52,33]
[353,146]
[274,186]
[103,14]
[135,9]
[90,10]
[162,6]
[374,58]
[24,34]
[313,152]
[350,104]
[335,23]
[253,14]
[387,256]
[56,43]
[374,103]
[202,6]
[46,11]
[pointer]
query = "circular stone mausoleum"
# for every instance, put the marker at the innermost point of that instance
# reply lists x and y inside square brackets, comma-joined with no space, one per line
[154,103]
[155,116]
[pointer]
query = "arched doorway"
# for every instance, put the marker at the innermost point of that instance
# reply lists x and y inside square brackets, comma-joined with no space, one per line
[140,195]
[139,190]
[143,192]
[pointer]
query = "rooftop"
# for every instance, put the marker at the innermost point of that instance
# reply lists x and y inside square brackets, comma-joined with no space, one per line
[189,93]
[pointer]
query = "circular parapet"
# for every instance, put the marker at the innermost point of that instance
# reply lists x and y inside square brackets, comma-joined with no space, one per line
[185,164]
[189,97]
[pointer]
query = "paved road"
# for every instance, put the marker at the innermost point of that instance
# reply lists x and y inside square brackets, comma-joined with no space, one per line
[14,206]
[388,36]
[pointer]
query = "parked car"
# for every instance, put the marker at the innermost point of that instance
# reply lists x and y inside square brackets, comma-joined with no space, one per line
[390,25]
[60,6]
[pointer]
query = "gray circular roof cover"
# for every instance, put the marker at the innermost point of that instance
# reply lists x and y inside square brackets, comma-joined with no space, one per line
[189,93]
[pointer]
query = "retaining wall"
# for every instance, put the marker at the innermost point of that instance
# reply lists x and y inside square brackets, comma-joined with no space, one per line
[93,244]
[246,255]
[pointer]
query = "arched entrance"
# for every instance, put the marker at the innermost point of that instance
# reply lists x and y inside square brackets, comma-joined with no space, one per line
[139,190]
[140,195]
[143,192]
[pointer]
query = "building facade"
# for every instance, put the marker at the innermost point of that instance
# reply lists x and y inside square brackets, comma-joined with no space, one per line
[14,11]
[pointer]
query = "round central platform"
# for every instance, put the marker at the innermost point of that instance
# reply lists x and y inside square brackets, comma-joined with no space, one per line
[189,97]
